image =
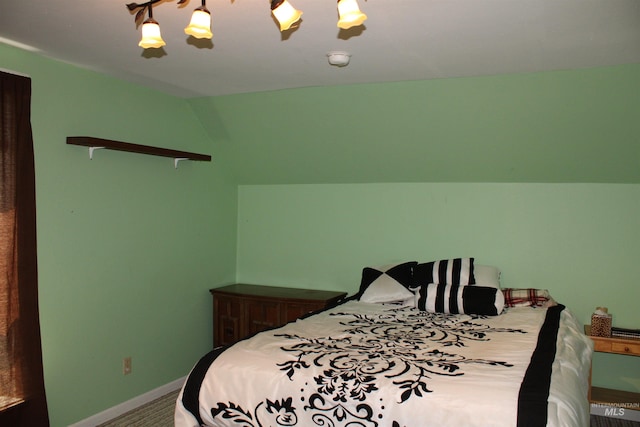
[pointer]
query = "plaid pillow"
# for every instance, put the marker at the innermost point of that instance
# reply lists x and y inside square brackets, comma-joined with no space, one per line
[526,297]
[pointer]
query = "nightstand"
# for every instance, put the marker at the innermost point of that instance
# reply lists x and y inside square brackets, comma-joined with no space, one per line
[614,345]
[241,310]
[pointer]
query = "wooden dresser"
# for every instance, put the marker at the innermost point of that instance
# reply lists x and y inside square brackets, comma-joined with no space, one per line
[241,310]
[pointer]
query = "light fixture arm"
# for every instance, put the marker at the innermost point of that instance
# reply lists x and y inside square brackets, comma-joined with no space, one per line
[276,3]
[143,7]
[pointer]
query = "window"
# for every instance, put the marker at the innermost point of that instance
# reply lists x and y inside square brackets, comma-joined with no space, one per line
[22,398]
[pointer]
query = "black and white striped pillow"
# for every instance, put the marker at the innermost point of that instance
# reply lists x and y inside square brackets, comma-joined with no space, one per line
[456,271]
[457,299]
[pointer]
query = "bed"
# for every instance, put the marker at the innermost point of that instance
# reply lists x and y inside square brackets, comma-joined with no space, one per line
[403,352]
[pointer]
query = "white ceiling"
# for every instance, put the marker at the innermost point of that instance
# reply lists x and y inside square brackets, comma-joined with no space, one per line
[401,40]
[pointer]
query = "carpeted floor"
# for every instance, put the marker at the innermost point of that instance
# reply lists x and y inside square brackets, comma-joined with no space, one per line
[597,421]
[159,413]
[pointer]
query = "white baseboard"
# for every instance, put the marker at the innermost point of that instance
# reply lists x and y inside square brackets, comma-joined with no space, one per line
[125,407]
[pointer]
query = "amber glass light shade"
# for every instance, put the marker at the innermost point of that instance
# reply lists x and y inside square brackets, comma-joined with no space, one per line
[200,25]
[350,14]
[286,14]
[151,37]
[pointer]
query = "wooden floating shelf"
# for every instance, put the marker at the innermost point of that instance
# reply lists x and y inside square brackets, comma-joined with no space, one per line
[97,143]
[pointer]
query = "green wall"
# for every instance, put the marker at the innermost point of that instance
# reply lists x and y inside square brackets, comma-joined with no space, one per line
[128,246]
[562,126]
[560,148]
[538,174]
[580,241]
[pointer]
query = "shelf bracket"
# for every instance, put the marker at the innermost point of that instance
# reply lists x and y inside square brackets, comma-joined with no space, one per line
[178,159]
[91,150]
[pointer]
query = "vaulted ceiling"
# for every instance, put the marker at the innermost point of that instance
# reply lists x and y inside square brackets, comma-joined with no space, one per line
[401,40]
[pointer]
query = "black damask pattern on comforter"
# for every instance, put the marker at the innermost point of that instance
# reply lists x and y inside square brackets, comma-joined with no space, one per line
[363,364]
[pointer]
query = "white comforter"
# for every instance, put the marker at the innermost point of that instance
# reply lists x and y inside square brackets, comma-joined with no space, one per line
[363,364]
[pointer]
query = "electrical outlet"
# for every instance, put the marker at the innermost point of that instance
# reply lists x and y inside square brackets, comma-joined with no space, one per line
[126,365]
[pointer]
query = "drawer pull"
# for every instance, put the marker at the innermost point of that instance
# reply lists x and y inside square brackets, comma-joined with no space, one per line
[627,349]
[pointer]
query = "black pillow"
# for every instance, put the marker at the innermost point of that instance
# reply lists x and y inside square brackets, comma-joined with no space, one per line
[401,273]
[456,271]
[457,299]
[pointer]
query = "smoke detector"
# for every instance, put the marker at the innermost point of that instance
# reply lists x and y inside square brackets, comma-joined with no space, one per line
[339,58]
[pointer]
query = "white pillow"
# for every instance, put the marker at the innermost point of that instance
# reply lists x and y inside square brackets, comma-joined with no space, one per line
[499,301]
[487,275]
[382,291]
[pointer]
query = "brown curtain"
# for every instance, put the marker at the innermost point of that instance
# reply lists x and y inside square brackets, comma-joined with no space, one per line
[22,396]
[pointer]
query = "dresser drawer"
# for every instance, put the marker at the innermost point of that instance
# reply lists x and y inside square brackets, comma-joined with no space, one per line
[241,310]
[603,346]
[262,314]
[229,320]
[626,348]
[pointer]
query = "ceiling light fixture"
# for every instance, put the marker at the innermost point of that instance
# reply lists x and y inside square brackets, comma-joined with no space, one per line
[350,14]
[200,25]
[285,14]
[151,37]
